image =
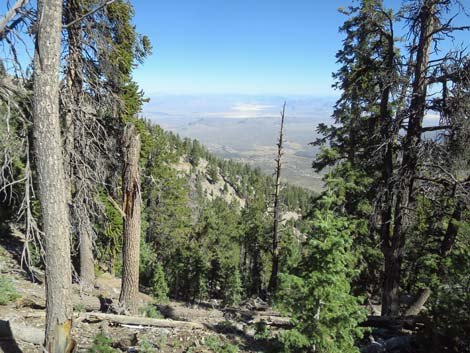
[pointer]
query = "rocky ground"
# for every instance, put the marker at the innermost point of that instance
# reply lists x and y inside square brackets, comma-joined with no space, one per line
[172,327]
[175,327]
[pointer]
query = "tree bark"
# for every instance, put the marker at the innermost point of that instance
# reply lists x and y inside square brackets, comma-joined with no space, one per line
[51,177]
[451,231]
[273,280]
[87,260]
[80,210]
[145,321]
[417,306]
[405,196]
[131,208]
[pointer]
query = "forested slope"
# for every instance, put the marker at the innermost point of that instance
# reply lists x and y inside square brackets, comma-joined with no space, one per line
[94,188]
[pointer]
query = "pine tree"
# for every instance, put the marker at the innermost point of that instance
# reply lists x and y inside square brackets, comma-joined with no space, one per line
[317,292]
[132,221]
[52,190]
[382,161]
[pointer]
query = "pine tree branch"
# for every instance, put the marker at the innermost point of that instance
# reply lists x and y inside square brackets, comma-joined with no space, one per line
[106,3]
[116,206]
[15,9]
[435,128]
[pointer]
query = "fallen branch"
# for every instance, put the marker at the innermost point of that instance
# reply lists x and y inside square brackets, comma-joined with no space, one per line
[143,321]
[86,303]
[395,324]
[418,305]
[275,321]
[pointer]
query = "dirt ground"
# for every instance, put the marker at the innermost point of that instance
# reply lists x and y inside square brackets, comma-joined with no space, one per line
[22,321]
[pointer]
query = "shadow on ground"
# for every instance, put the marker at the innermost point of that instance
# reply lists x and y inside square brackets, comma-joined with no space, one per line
[7,340]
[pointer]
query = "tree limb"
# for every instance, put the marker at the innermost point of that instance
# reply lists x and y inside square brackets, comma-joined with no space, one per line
[15,9]
[116,206]
[106,3]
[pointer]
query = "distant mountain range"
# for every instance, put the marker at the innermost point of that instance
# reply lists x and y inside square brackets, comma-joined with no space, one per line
[246,129]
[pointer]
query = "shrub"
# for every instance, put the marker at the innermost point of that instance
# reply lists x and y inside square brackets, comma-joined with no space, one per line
[79,308]
[159,285]
[261,330]
[146,346]
[102,344]
[214,343]
[151,311]
[8,292]
[325,315]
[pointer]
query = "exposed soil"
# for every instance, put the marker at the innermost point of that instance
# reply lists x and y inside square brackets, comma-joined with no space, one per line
[22,321]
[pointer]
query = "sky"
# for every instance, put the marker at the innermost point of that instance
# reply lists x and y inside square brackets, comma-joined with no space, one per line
[239,47]
[240,58]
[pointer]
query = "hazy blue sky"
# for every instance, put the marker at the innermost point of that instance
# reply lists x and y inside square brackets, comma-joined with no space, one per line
[267,47]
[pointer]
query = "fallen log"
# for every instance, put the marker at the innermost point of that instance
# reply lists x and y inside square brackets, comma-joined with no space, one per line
[143,321]
[418,305]
[395,324]
[247,312]
[275,321]
[80,302]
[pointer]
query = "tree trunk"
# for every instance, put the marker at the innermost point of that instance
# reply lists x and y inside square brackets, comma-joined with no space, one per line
[452,231]
[51,177]
[131,208]
[408,172]
[273,280]
[80,209]
[87,260]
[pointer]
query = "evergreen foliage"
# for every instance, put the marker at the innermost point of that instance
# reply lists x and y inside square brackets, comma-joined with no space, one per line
[159,286]
[8,292]
[317,292]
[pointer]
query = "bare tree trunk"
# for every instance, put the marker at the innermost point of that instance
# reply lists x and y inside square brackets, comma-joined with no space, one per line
[131,208]
[452,230]
[273,280]
[51,177]
[405,187]
[87,260]
[80,210]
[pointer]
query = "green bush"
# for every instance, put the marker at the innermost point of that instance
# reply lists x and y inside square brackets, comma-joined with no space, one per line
[262,331]
[325,315]
[214,343]
[8,292]
[159,285]
[146,346]
[102,344]
[150,311]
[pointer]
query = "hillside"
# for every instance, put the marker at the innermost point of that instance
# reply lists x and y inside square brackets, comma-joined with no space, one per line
[172,327]
[232,195]
[253,141]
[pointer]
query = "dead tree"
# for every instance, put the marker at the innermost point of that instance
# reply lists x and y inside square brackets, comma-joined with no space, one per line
[75,157]
[394,249]
[273,280]
[10,15]
[88,144]
[131,208]
[51,177]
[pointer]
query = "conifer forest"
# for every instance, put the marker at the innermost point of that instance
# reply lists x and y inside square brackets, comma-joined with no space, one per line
[117,235]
